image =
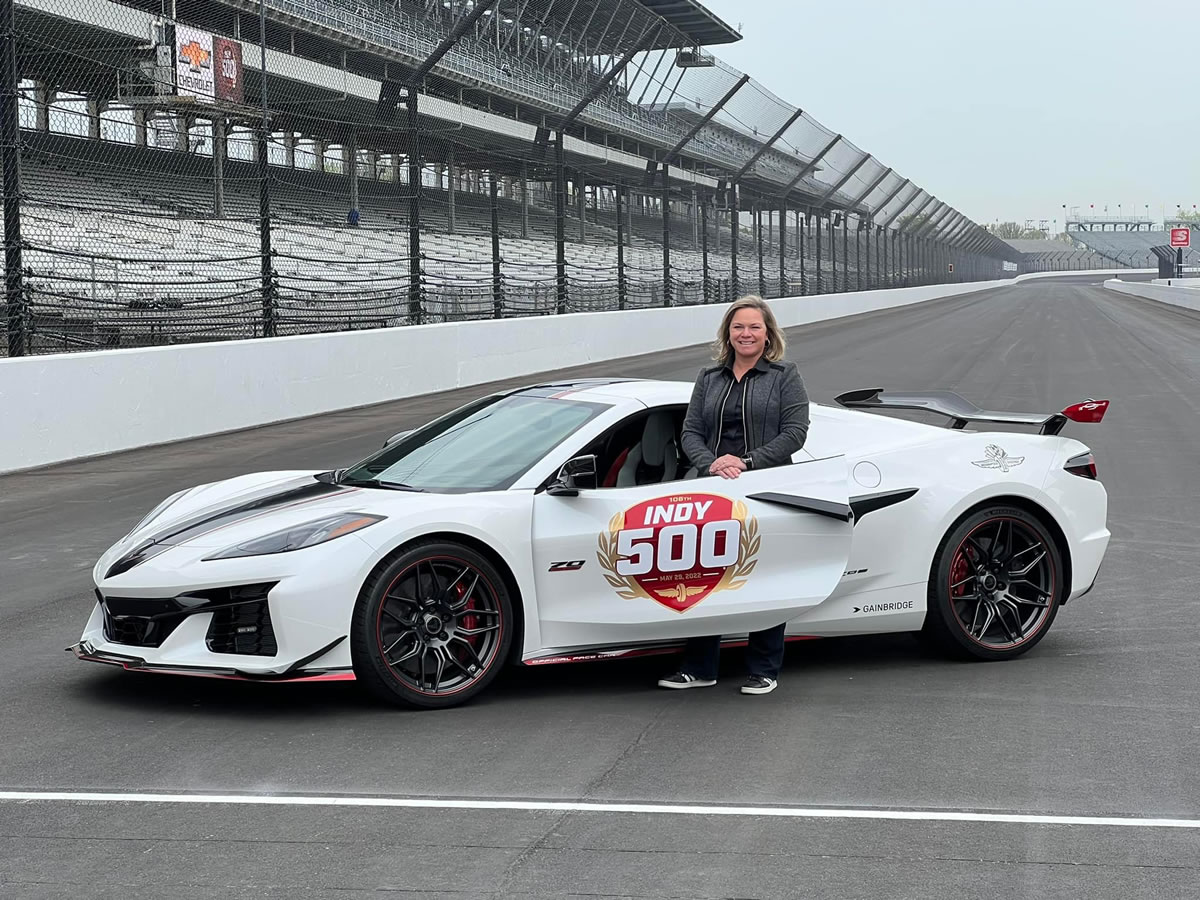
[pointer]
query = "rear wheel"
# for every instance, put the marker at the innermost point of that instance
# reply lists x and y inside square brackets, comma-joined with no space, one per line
[995,585]
[432,628]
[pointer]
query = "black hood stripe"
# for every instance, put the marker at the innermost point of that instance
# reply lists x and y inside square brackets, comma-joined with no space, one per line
[212,519]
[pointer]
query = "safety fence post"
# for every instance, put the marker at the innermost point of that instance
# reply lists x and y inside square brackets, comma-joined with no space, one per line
[734,215]
[270,313]
[858,257]
[900,260]
[560,222]
[666,242]
[269,310]
[497,275]
[817,233]
[524,199]
[416,313]
[881,249]
[783,291]
[16,310]
[868,225]
[704,250]
[845,217]
[833,267]
[802,228]
[762,278]
[621,287]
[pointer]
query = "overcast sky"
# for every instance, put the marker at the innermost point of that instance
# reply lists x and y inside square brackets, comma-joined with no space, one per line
[1004,110]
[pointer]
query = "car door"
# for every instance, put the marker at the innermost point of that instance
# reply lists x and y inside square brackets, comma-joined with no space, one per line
[692,557]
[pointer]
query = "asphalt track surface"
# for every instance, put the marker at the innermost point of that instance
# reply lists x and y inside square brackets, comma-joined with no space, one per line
[1101,719]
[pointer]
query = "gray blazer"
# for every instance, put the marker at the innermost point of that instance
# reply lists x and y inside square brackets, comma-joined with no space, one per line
[776,413]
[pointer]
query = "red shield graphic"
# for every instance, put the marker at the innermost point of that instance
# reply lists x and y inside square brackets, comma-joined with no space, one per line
[679,549]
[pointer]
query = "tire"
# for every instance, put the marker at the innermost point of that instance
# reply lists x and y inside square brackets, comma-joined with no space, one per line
[995,585]
[432,628]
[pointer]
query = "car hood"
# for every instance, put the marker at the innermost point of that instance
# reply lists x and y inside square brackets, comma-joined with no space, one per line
[224,513]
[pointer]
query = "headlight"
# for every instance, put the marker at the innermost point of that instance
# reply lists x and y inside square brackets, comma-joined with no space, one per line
[298,537]
[157,511]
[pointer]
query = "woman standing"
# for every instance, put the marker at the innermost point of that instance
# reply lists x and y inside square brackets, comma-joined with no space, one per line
[749,411]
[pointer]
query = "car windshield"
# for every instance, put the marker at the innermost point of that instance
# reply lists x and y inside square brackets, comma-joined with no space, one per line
[484,446]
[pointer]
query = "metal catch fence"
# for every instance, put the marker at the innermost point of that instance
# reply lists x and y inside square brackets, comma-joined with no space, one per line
[229,169]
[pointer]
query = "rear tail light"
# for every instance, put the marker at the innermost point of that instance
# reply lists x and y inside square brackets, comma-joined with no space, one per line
[1083,465]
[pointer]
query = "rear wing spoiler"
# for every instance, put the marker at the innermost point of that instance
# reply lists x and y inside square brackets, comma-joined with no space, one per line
[962,411]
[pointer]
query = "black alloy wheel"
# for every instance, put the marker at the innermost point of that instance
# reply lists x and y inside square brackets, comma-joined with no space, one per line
[995,585]
[433,627]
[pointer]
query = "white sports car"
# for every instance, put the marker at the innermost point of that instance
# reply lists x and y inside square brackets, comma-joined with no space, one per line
[561,522]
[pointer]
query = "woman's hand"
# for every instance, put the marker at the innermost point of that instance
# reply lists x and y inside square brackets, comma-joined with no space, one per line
[727,466]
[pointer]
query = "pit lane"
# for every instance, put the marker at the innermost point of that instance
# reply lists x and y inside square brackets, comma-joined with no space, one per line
[1099,720]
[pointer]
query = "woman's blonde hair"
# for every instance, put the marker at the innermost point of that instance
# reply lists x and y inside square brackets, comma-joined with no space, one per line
[776,344]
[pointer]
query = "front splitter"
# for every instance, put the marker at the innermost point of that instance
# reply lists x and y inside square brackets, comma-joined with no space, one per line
[86,652]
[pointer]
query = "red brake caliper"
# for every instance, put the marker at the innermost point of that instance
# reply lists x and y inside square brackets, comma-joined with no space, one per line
[469,621]
[960,567]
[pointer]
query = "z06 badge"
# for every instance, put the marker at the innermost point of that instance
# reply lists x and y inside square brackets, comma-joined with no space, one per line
[677,550]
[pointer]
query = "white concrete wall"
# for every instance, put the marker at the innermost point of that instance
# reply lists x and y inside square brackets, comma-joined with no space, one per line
[1069,274]
[67,406]
[1187,297]
[1189,283]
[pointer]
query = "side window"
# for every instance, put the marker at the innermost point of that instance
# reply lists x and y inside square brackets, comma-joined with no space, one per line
[641,449]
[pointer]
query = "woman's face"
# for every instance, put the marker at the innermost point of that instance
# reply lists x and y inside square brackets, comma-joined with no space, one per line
[748,334]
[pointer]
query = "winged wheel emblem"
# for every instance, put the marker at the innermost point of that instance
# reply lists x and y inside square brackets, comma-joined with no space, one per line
[680,594]
[997,459]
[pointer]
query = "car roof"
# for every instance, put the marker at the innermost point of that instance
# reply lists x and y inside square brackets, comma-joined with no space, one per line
[565,386]
[647,391]
[613,389]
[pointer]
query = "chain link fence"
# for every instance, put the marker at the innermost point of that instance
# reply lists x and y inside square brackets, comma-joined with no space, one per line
[228,169]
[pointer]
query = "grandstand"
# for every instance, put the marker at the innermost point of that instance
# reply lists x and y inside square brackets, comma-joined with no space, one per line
[1055,256]
[424,161]
[1133,248]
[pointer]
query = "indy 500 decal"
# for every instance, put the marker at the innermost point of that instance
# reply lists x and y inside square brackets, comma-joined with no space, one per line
[678,550]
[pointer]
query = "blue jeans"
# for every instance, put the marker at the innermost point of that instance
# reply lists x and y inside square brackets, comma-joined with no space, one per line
[764,654]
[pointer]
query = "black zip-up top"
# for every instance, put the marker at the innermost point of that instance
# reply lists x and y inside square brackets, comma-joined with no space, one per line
[731,414]
[763,417]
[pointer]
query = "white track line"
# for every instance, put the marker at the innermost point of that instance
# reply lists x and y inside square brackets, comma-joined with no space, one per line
[782,812]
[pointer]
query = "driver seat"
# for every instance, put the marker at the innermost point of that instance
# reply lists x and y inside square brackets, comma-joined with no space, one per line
[655,458]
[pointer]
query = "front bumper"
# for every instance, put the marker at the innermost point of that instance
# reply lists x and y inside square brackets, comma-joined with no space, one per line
[282,617]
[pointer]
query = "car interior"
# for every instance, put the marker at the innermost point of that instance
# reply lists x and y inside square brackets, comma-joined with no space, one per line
[643,449]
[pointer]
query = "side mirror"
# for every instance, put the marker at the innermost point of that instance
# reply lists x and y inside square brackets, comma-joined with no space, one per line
[576,473]
[399,435]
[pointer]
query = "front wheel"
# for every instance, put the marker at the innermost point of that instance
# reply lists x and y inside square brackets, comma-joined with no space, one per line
[995,585]
[433,627]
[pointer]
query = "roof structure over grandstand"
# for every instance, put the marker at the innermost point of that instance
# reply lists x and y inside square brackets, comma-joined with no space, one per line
[694,20]
[516,73]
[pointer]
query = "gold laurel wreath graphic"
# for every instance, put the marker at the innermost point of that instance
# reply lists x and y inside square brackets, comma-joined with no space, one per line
[606,553]
[734,577]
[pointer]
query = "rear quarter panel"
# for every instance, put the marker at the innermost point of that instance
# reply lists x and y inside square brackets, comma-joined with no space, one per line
[884,588]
